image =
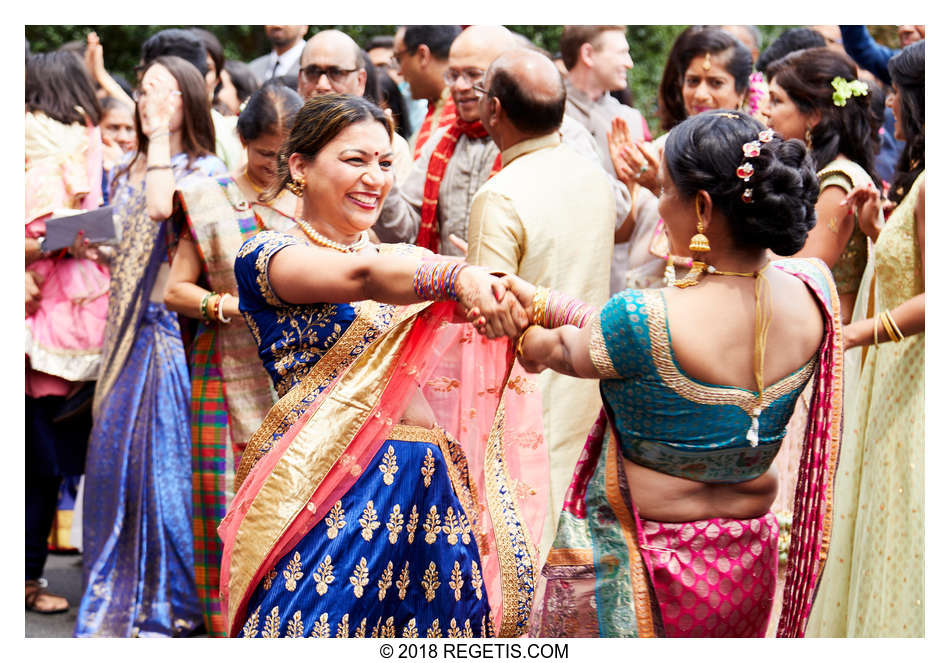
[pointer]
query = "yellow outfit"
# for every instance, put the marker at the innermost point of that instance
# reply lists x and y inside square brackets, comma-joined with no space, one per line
[874,581]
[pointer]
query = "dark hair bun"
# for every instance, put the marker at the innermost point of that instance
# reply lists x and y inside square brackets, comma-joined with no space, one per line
[702,154]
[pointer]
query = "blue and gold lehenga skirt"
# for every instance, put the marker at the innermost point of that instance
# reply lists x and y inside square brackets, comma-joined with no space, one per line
[138,563]
[394,557]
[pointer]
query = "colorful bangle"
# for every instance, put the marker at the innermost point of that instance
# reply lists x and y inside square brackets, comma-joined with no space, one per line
[204,306]
[539,304]
[562,309]
[437,281]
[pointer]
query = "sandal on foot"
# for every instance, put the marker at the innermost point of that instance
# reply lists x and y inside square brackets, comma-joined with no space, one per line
[36,594]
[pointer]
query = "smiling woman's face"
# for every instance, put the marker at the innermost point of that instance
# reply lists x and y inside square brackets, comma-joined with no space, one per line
[347,181]
[708,86]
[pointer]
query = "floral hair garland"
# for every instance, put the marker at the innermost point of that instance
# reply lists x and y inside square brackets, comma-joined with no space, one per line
[844,90]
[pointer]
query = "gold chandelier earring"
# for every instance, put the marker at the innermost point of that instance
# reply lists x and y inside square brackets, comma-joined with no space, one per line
[698,243]
[295,186]
[808,139]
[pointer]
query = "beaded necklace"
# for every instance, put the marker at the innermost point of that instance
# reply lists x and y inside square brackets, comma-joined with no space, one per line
[323,240]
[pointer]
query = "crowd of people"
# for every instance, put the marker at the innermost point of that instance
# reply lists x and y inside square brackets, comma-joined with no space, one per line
[432,337]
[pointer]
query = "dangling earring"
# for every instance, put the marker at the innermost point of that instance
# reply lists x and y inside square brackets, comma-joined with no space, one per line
[808,139]
[698,243]
[295,186]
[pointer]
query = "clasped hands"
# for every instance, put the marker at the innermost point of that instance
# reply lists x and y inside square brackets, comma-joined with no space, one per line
[496,306]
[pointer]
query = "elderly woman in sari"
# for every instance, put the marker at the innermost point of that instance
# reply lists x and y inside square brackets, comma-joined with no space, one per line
[666,529]
[395,488]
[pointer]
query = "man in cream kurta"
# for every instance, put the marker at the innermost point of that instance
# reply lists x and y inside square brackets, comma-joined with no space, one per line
[548,217]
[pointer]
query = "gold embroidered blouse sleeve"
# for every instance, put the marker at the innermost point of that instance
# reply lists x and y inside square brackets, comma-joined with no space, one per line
[598,352]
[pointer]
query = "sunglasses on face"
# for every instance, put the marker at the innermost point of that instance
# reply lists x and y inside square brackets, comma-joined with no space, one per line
[313,73]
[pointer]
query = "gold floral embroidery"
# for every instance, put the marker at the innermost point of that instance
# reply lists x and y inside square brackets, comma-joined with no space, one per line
[468,629]
[292,573]
[321,627]
[452,526]
[434,630]
[369,521]
[432,525]
[413,523]
[360,631]
[269,578]
[324,576]
[430,581]
[454,630]
[389,629]
[343,628]
[466,528]
[521,385]
[403,583]
[360,578]
[250,627]
[477,582]
[484,632]
[388,467]
[335,520]
[385,581]
[295,626]
[456,582]
[443,383]
[410,630]
[428,468]
[375,633]
[272,624]
[395,524]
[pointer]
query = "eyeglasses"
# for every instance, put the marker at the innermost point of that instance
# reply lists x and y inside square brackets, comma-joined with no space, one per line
[313,73]
[478,88]
[395,60]
[471,76]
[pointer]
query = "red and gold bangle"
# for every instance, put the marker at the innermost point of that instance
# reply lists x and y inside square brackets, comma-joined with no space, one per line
[437,280]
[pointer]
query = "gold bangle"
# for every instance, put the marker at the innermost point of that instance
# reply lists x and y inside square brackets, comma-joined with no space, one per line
[887,327]
[894,327]
[539,304]
[520,344]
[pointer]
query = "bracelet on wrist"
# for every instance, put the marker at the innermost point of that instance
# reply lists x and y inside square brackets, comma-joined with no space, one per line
[149,169]
[221,317]
[436,281]
[519,346]
[160,134]
[204,306]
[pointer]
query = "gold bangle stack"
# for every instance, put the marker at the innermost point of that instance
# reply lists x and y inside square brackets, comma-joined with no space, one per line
[887,321]
[539,304]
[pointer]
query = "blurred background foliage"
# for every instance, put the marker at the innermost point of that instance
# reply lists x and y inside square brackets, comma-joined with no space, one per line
[649,46]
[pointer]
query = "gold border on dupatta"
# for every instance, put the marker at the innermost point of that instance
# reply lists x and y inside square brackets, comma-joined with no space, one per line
[628,527]
[511,537]
[318,446]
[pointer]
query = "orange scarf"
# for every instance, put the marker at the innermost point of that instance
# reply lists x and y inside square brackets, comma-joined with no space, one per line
[429,222]
[432,122]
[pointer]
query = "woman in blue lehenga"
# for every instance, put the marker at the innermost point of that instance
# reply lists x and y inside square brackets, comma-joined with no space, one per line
[137,552]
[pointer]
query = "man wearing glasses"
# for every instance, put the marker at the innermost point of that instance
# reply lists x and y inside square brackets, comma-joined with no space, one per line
[333,62]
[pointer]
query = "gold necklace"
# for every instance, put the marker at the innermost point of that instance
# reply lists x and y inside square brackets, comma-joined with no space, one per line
[323,240]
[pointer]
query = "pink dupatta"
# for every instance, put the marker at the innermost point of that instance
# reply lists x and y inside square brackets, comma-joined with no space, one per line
[369,376]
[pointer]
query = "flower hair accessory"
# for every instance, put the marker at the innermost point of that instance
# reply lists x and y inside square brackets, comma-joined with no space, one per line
[751,150]
[844,90]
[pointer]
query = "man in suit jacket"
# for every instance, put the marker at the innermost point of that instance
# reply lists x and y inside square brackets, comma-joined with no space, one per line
[284,58]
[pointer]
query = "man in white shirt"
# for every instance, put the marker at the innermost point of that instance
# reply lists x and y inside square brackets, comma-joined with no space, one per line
[284,59]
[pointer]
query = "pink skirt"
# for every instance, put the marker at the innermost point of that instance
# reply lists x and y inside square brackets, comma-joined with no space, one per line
[713,578]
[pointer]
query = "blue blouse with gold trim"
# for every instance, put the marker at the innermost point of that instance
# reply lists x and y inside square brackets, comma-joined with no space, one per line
[673,423]
[291,339]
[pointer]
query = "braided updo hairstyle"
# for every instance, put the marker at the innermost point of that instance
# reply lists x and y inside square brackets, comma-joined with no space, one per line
[703,152]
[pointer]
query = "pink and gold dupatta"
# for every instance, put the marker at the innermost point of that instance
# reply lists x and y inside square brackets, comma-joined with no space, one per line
[319,438]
